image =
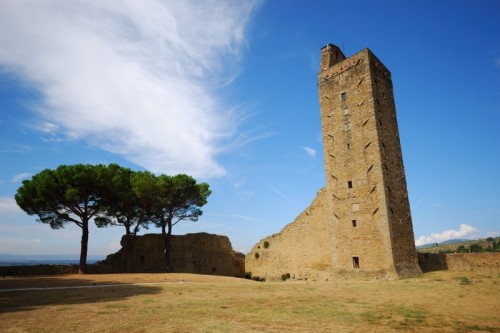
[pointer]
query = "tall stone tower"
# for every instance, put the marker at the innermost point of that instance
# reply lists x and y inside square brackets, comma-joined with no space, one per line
[365,179]
[360,223]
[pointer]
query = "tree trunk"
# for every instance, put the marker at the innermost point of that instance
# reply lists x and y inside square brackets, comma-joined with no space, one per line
[82,269]
[129,251]
[170,266]
[168,247]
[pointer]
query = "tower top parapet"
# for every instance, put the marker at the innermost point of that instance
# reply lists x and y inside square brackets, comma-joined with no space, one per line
[330,55]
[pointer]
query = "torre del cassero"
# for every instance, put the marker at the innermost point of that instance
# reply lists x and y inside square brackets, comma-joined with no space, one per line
[360,223]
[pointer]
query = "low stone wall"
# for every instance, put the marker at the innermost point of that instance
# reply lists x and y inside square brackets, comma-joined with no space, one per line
[38,270]
[481,262]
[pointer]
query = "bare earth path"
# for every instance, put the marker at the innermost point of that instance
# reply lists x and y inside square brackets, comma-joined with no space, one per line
[435,302]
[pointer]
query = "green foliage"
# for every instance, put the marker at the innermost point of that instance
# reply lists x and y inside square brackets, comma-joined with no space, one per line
[111,195]
[178,198]
[490,244]
[464,280]
[266,244]
[248,276]
[474,248]
[285,277]
[257,255]
[69,194]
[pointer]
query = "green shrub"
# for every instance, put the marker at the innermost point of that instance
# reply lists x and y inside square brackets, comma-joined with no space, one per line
[257,255]
[266,244]
[285,277]
[464,280]
[474,248]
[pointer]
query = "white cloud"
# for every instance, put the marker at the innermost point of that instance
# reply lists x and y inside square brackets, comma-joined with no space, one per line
[9,206]
[20,176]
[310,151]
[136,78]
[464,231]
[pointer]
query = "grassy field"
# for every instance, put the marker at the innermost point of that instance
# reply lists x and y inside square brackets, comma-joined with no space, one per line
[434,302]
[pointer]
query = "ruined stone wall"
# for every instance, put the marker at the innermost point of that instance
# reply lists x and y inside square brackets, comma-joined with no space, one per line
[199,253]
[302,248]
[461,262]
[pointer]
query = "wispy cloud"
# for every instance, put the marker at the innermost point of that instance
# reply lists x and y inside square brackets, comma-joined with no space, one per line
[464,231]
[310,151]
[18,149]
[9,206]
[20,176]
[45,126]
[135,78]
[233,215]
[277,191]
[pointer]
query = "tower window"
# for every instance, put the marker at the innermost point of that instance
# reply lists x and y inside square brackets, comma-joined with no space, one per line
[343,96]
[355,262]
[354,223]
[349,184]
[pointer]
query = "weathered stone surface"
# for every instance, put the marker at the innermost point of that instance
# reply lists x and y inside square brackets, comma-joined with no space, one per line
[461,262]
[360,224]
[302,248]
[199,253]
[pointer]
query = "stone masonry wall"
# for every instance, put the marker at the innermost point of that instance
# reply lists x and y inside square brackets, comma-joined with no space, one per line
[461,262]
[302,248]
[198,253]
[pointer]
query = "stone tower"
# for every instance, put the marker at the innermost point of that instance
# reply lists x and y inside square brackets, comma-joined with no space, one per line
[360,223]
[365,178]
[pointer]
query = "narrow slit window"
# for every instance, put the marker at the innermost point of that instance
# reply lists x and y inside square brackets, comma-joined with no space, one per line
[349,184]
[354,224]
[343,96]
[355,262]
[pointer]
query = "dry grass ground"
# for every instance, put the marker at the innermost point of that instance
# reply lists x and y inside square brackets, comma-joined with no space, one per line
[434,302]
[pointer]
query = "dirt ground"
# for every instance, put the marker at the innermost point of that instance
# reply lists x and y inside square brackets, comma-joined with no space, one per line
[104,279]
[434,302]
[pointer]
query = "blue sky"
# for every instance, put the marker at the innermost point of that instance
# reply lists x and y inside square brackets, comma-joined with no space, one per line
[226,91]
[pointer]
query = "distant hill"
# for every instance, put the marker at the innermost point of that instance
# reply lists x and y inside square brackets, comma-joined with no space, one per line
[449,241]
[462,246]
[47,259]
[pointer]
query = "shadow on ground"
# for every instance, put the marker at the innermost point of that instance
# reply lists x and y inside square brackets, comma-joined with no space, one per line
[69,291]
